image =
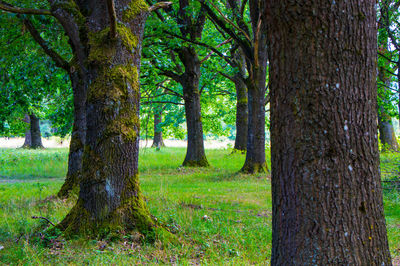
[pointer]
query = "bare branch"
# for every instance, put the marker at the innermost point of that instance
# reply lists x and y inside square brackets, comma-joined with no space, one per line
[44,218]
[60,62]
[159,15]
[159,5]
[13,9]
[113,18]
[212,52]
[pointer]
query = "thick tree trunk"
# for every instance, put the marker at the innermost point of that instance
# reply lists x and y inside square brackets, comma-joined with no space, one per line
[110,198]
[36,136]
[158,139]
[77,137]
[28,138]
[195,154]
[326,187]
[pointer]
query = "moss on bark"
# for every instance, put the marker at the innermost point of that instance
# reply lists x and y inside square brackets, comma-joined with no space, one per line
[254,168]
[135,7]
[198,163]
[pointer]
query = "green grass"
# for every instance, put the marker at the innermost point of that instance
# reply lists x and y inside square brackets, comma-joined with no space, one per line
[238,231]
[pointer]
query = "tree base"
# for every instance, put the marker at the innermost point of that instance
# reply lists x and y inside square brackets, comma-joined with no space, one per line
[70,187]
[254,168]
[199,163]
[241,151]
[154,145]
[28,147]
[125,220]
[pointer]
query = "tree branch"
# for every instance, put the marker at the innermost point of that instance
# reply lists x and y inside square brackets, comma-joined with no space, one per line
[113,18]
[12,9]
[159,15]
[159,5]
[60,62]
[149,102]
[210,54]
[245,44]
[44,218]
[204,45]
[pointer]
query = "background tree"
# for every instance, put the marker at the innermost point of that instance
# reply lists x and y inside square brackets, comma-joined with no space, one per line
[388,36]
[252,39]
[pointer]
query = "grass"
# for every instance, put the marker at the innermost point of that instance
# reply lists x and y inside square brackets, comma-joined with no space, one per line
[224,218]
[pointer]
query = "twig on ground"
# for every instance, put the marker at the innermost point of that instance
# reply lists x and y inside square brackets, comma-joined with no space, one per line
[44,218]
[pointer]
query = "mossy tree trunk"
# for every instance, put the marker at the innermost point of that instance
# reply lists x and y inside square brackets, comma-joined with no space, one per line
[326,187]
[157,139]
[78,136]
[106,38]
[36,136]
[110,198]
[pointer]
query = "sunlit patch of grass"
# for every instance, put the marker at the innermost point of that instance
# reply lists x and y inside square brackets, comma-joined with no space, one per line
[220,216]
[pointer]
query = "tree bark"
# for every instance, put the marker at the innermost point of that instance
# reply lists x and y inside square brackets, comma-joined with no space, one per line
[158,139]
[241,105]
[195,154]
[110,198]
[71,184]
[326,187]
[28,138]
[36,136]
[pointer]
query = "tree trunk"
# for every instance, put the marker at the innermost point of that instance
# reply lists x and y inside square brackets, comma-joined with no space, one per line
[36,136]
[257,68]
[28,137]
[195,155]
[385,126]
[78,136]
[386,131]
[326,187]
[110,198]
[241,104]
[158,139]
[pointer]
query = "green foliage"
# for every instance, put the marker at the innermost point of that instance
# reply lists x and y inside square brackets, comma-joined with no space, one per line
[30,81]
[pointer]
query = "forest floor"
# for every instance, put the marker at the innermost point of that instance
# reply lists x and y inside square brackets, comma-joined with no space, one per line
[221,217]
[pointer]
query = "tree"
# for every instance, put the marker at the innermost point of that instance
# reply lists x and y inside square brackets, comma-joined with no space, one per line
[252,40]
[106,39]
[326,187]
[158,139]
[386,69]
[187,72]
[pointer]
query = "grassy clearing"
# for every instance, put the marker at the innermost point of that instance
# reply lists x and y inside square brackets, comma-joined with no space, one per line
[222,217]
